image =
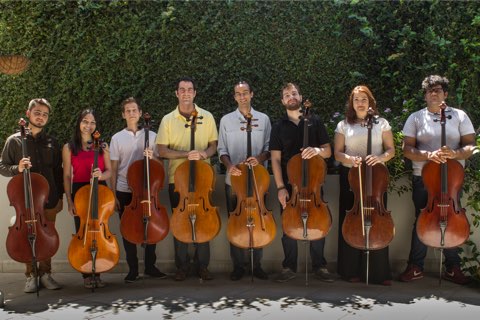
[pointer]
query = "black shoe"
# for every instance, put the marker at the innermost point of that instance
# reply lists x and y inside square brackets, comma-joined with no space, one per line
[155,273]
[237,274]
[180,275]
[260,274]
[132,276]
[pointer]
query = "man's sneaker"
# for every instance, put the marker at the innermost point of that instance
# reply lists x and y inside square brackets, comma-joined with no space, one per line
[285,275]
[456,275]
[260,274]
[87,282]
[132,276]
[155,273]
[324,275]
[48,282]
[237,274]
[204,274]
[30,285]
[97,282]
[411,273]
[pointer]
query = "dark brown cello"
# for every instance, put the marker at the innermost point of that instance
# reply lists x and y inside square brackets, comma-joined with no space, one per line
[94,249]
[145,220]
[368,225]
[194,220]
[251,225]
[32,238]
[443,223]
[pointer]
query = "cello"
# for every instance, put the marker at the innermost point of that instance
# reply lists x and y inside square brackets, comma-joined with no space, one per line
[32,238]
[145,221]
[368,225]
[94,249]
[306,216]
[251,225]
[194,220]
[443,223]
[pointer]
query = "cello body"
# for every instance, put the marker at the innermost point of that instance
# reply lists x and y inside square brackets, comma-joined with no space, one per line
[47,241]
[443,207]
[145,204]
[382,229]
[306,177]
[194,220]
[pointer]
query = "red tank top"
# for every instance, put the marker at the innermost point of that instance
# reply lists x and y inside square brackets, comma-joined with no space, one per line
[82,165]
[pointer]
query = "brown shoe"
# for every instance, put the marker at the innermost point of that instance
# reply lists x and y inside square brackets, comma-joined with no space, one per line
[456,275]
[180,275]
[204,274]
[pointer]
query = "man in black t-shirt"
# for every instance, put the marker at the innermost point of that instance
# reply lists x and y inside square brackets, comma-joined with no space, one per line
[286,140]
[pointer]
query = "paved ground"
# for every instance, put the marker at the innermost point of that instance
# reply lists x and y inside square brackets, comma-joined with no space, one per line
[223,299]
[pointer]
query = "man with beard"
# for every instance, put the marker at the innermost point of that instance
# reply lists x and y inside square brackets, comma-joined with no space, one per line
[45,158]
[286,141]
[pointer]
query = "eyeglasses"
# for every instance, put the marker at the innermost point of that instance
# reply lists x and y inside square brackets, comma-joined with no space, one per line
[434,90]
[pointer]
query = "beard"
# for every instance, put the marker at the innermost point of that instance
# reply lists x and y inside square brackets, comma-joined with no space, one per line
[38,126]
[293,107]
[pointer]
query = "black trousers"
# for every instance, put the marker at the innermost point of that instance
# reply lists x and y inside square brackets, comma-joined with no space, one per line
[352,262]
[150,257]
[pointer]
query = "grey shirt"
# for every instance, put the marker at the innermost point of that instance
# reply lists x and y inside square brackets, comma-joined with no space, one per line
[421,126]
[232,141]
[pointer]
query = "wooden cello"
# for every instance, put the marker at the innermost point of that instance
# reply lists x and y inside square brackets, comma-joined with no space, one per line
[368,225]
[443,223]
[94,249]
[145,220]
[32,238]
[194,220]
[251,225]
[306,216]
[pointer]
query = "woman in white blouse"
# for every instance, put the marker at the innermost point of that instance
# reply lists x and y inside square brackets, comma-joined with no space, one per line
[350,150]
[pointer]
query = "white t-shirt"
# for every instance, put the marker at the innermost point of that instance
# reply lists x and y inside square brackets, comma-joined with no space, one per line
[427,132]
[356,137]
[127,147]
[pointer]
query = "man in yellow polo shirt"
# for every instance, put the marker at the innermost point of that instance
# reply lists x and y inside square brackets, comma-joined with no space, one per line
[173,140]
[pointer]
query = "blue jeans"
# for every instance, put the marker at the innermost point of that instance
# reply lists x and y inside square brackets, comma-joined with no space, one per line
[418,250]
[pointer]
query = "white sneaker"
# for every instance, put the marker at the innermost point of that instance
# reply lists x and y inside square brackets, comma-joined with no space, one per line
[30,285]
[48,282]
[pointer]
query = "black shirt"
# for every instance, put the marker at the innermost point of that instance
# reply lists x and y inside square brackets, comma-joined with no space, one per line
[287,137]
[46,158]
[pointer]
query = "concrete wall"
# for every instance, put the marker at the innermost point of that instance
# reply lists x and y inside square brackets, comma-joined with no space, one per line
[401,207]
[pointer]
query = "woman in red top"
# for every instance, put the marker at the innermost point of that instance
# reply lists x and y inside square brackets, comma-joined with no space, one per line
[78,169]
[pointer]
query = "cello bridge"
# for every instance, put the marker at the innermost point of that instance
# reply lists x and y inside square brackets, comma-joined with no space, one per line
[31,221]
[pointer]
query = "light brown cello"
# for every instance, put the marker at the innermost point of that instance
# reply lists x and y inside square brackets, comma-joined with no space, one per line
[443,223]
[32,238]
[94,249]
[251,225]
[194,220]
[145,221]
[368,225]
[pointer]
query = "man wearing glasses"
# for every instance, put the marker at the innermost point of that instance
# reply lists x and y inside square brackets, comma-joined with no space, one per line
[45,158]
[422,143]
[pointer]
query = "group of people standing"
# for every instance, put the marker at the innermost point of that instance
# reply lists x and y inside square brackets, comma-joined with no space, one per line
[279,143]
